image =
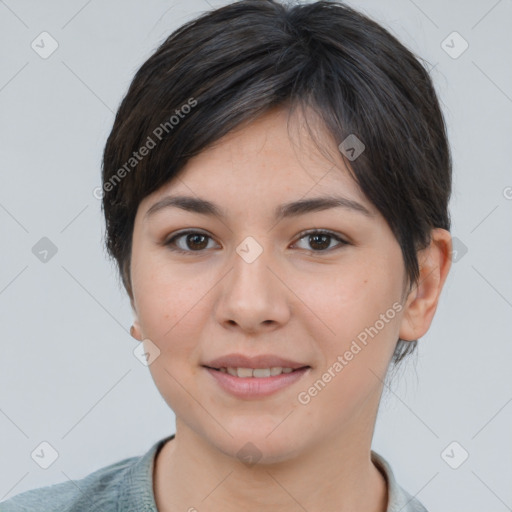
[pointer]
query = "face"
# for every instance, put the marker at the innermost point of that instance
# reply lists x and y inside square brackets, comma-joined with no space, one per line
[321,288]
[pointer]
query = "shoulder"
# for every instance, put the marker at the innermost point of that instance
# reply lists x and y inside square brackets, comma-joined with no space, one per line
[123,486]
[96,490]
[398,498]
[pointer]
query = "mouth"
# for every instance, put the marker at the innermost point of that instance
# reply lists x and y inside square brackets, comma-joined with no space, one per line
[257,373]
[255,383]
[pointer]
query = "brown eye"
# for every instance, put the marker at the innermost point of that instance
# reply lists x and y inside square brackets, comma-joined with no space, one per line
[196,241]
[189,241]
[320,241]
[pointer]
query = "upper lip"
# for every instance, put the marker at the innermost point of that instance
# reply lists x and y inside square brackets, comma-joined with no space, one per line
[261,361]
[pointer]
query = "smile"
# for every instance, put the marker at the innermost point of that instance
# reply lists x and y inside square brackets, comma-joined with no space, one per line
[255,372]
[253,383]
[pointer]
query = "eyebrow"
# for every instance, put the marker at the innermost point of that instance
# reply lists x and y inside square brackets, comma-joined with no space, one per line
[287,210]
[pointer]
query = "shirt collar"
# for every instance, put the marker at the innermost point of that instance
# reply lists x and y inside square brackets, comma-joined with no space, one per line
[137,494]
[399,500]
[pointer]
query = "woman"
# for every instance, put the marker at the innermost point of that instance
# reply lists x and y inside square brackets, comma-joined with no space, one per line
[275,189]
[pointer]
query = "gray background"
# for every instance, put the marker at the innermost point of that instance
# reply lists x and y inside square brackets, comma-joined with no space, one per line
[67,372]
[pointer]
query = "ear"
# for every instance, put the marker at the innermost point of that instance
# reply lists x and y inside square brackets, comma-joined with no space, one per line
[135,329]
[421,304]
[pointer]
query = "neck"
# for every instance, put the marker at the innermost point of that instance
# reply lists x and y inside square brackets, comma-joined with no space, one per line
[332,474]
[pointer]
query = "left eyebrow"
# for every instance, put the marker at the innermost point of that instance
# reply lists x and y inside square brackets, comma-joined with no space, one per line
[287,210]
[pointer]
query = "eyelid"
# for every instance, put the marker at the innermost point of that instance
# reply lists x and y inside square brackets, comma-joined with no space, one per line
[170,240]
[320,231]
[300,236]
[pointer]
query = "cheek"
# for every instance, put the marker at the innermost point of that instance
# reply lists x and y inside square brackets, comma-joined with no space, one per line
[171,303]
[361,308]
[352,299]
[171,314]
[358,308]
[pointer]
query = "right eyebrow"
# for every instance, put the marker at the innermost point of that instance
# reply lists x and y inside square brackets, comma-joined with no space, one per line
[287,210]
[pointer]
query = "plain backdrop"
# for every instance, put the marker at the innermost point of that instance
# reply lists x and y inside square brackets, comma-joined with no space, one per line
[68,375]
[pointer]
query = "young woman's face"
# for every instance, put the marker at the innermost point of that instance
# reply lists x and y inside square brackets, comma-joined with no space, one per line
[251,283]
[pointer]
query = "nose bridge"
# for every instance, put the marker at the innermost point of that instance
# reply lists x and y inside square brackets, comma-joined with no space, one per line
[251,278]
[251,293]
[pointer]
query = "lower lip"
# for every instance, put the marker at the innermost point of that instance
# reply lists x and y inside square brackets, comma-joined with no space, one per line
[256,387]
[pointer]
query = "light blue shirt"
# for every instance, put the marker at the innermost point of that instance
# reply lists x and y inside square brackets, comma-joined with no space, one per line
[127,486]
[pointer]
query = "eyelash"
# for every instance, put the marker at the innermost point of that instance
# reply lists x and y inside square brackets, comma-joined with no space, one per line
[171,241]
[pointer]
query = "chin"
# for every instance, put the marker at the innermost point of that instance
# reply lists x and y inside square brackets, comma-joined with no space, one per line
[254,446]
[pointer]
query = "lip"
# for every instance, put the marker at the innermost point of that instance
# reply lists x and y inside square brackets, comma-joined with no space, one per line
[247,388]
[259,361]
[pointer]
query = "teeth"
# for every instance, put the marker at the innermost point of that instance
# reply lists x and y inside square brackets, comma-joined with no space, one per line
[256,372]
[260,372]
[244,372]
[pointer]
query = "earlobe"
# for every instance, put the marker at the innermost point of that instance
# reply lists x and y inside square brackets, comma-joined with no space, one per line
[420,307]
[135,331]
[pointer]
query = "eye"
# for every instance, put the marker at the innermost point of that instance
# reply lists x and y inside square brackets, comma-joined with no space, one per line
[192,239]
[320,240]
[196,241]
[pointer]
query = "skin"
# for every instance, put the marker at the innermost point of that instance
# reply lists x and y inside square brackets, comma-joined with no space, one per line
[300,299]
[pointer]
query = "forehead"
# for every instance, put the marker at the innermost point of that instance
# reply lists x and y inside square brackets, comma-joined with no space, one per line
[272,159]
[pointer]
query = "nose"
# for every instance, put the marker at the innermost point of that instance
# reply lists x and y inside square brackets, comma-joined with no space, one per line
[252,296]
